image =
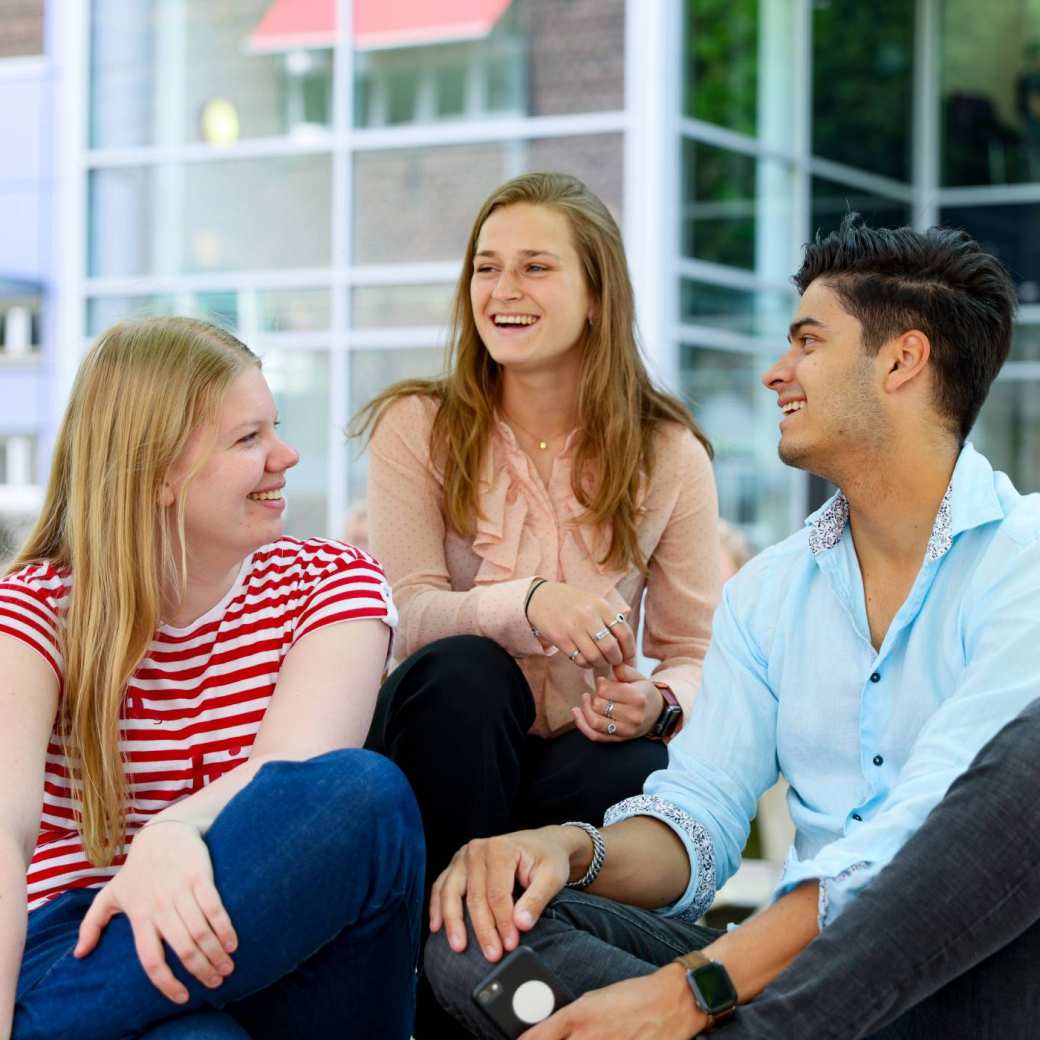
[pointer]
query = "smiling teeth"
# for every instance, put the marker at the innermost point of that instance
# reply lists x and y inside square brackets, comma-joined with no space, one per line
[793,406]
[266,496]
[515,319]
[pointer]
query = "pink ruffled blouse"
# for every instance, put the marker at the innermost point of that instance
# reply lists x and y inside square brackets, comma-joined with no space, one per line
[445,585]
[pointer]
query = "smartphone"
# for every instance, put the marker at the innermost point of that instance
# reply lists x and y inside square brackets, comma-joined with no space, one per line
[520,992]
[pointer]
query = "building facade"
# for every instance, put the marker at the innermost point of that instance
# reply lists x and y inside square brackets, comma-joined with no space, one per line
[305,171]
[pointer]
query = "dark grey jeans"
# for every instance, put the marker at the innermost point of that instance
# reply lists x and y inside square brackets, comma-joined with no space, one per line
[945,943]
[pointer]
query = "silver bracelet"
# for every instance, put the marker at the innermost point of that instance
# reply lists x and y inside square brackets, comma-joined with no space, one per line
[599,854]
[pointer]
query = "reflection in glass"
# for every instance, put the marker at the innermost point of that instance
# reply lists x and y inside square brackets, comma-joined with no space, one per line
[740,418]
[299,381]
[293,310]
[990,58]
[720,79]
[762,313]
[157,68]
[1011,232]
[862,84]
[211,216]
[417,204]
[103,311]
[1008,431]
[389,306]
[831,201]
[370,372]
[735,209]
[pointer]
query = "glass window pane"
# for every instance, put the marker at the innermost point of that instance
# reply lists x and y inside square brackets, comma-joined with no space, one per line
[862,104]
[210,216]
[831,201]
[720,81]
[104,311]
[736,209]
[766,314]
[389,306]
[740,418]
[372,371]
[299,381]
[990,57]
[197,70]
[418,204]
[1025,343]
[536,59]
[1008,431]
[1011,232]
[293,310]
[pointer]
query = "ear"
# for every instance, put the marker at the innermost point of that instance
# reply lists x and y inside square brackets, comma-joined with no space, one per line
[904,358]
[166,495]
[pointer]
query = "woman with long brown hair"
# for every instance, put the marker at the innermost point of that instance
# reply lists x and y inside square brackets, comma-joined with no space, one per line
[185,691]
[522,505]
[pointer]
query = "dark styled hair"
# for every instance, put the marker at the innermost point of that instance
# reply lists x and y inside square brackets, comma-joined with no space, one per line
[939,281]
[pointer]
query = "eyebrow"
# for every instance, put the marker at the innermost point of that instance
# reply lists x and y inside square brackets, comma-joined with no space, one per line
[250,422]
[801,323]
[523,252]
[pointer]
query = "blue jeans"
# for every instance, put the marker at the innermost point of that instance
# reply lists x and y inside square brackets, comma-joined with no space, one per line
[945,943]
[320,867]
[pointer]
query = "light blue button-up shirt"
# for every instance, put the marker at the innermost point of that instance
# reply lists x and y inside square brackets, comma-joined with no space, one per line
[869,740]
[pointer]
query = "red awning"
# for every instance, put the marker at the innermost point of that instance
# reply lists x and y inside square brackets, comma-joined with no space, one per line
[378,24]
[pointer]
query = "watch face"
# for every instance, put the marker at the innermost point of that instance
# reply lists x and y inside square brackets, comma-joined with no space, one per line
[668,721]
[711,985]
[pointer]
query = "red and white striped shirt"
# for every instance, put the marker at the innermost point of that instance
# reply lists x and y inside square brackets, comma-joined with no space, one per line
[194,704]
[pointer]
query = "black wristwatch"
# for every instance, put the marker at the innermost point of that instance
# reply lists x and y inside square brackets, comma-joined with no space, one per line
[712,989]
[670,715]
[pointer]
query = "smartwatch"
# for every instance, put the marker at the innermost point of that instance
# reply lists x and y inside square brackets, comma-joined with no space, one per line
[713,990]
[670,715]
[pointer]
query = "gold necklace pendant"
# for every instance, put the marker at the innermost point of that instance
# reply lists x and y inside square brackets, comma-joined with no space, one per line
[543,445]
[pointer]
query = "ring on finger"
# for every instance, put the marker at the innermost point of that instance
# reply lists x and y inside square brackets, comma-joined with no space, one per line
[609,710]
[619,619]
[602,634]
[573,655]
[611,728]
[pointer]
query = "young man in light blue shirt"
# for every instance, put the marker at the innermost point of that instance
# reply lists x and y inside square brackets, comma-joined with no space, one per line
[868,658]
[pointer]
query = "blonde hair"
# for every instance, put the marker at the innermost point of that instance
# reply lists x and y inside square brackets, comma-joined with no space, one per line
[619,408]
[139,393]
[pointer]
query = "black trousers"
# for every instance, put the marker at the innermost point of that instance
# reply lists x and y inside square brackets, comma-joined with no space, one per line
[455,717]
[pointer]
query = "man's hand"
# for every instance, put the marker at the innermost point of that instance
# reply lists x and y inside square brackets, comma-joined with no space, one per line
[166,889]
[483,874]
[654,1007]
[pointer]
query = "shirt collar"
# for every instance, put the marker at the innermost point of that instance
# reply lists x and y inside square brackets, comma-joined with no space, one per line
[970,501]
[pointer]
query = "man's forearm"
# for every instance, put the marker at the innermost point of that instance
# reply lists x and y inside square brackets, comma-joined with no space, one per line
[646,863]
[756,952]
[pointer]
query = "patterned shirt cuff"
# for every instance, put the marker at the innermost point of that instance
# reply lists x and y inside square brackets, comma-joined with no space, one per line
[834,897]
[700,893]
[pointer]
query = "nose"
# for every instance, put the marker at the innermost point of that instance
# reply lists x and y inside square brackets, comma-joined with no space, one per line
[282,457]
[507,287]
[780,373]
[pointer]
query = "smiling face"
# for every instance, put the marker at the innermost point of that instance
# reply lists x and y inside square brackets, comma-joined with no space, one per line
[234,503]
[827,387]
[530,300]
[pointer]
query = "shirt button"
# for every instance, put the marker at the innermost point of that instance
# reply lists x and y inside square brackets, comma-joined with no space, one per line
[876,677]
[878,760]
[856,816]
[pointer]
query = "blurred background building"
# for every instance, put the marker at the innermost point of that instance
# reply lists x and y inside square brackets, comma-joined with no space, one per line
[305,171]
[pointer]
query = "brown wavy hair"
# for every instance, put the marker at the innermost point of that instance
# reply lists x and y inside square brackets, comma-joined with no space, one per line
[139,393]
[619,408]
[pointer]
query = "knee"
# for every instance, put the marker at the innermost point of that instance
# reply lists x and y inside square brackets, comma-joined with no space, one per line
[464,674]
[453,976]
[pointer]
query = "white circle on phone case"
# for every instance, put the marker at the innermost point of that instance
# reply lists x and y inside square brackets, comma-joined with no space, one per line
[533,1002]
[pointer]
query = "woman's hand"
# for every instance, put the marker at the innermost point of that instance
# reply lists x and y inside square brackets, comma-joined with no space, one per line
[166,889]
[572,620]
[630,703]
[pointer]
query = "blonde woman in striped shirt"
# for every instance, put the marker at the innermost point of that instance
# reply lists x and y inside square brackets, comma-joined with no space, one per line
[185,692]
